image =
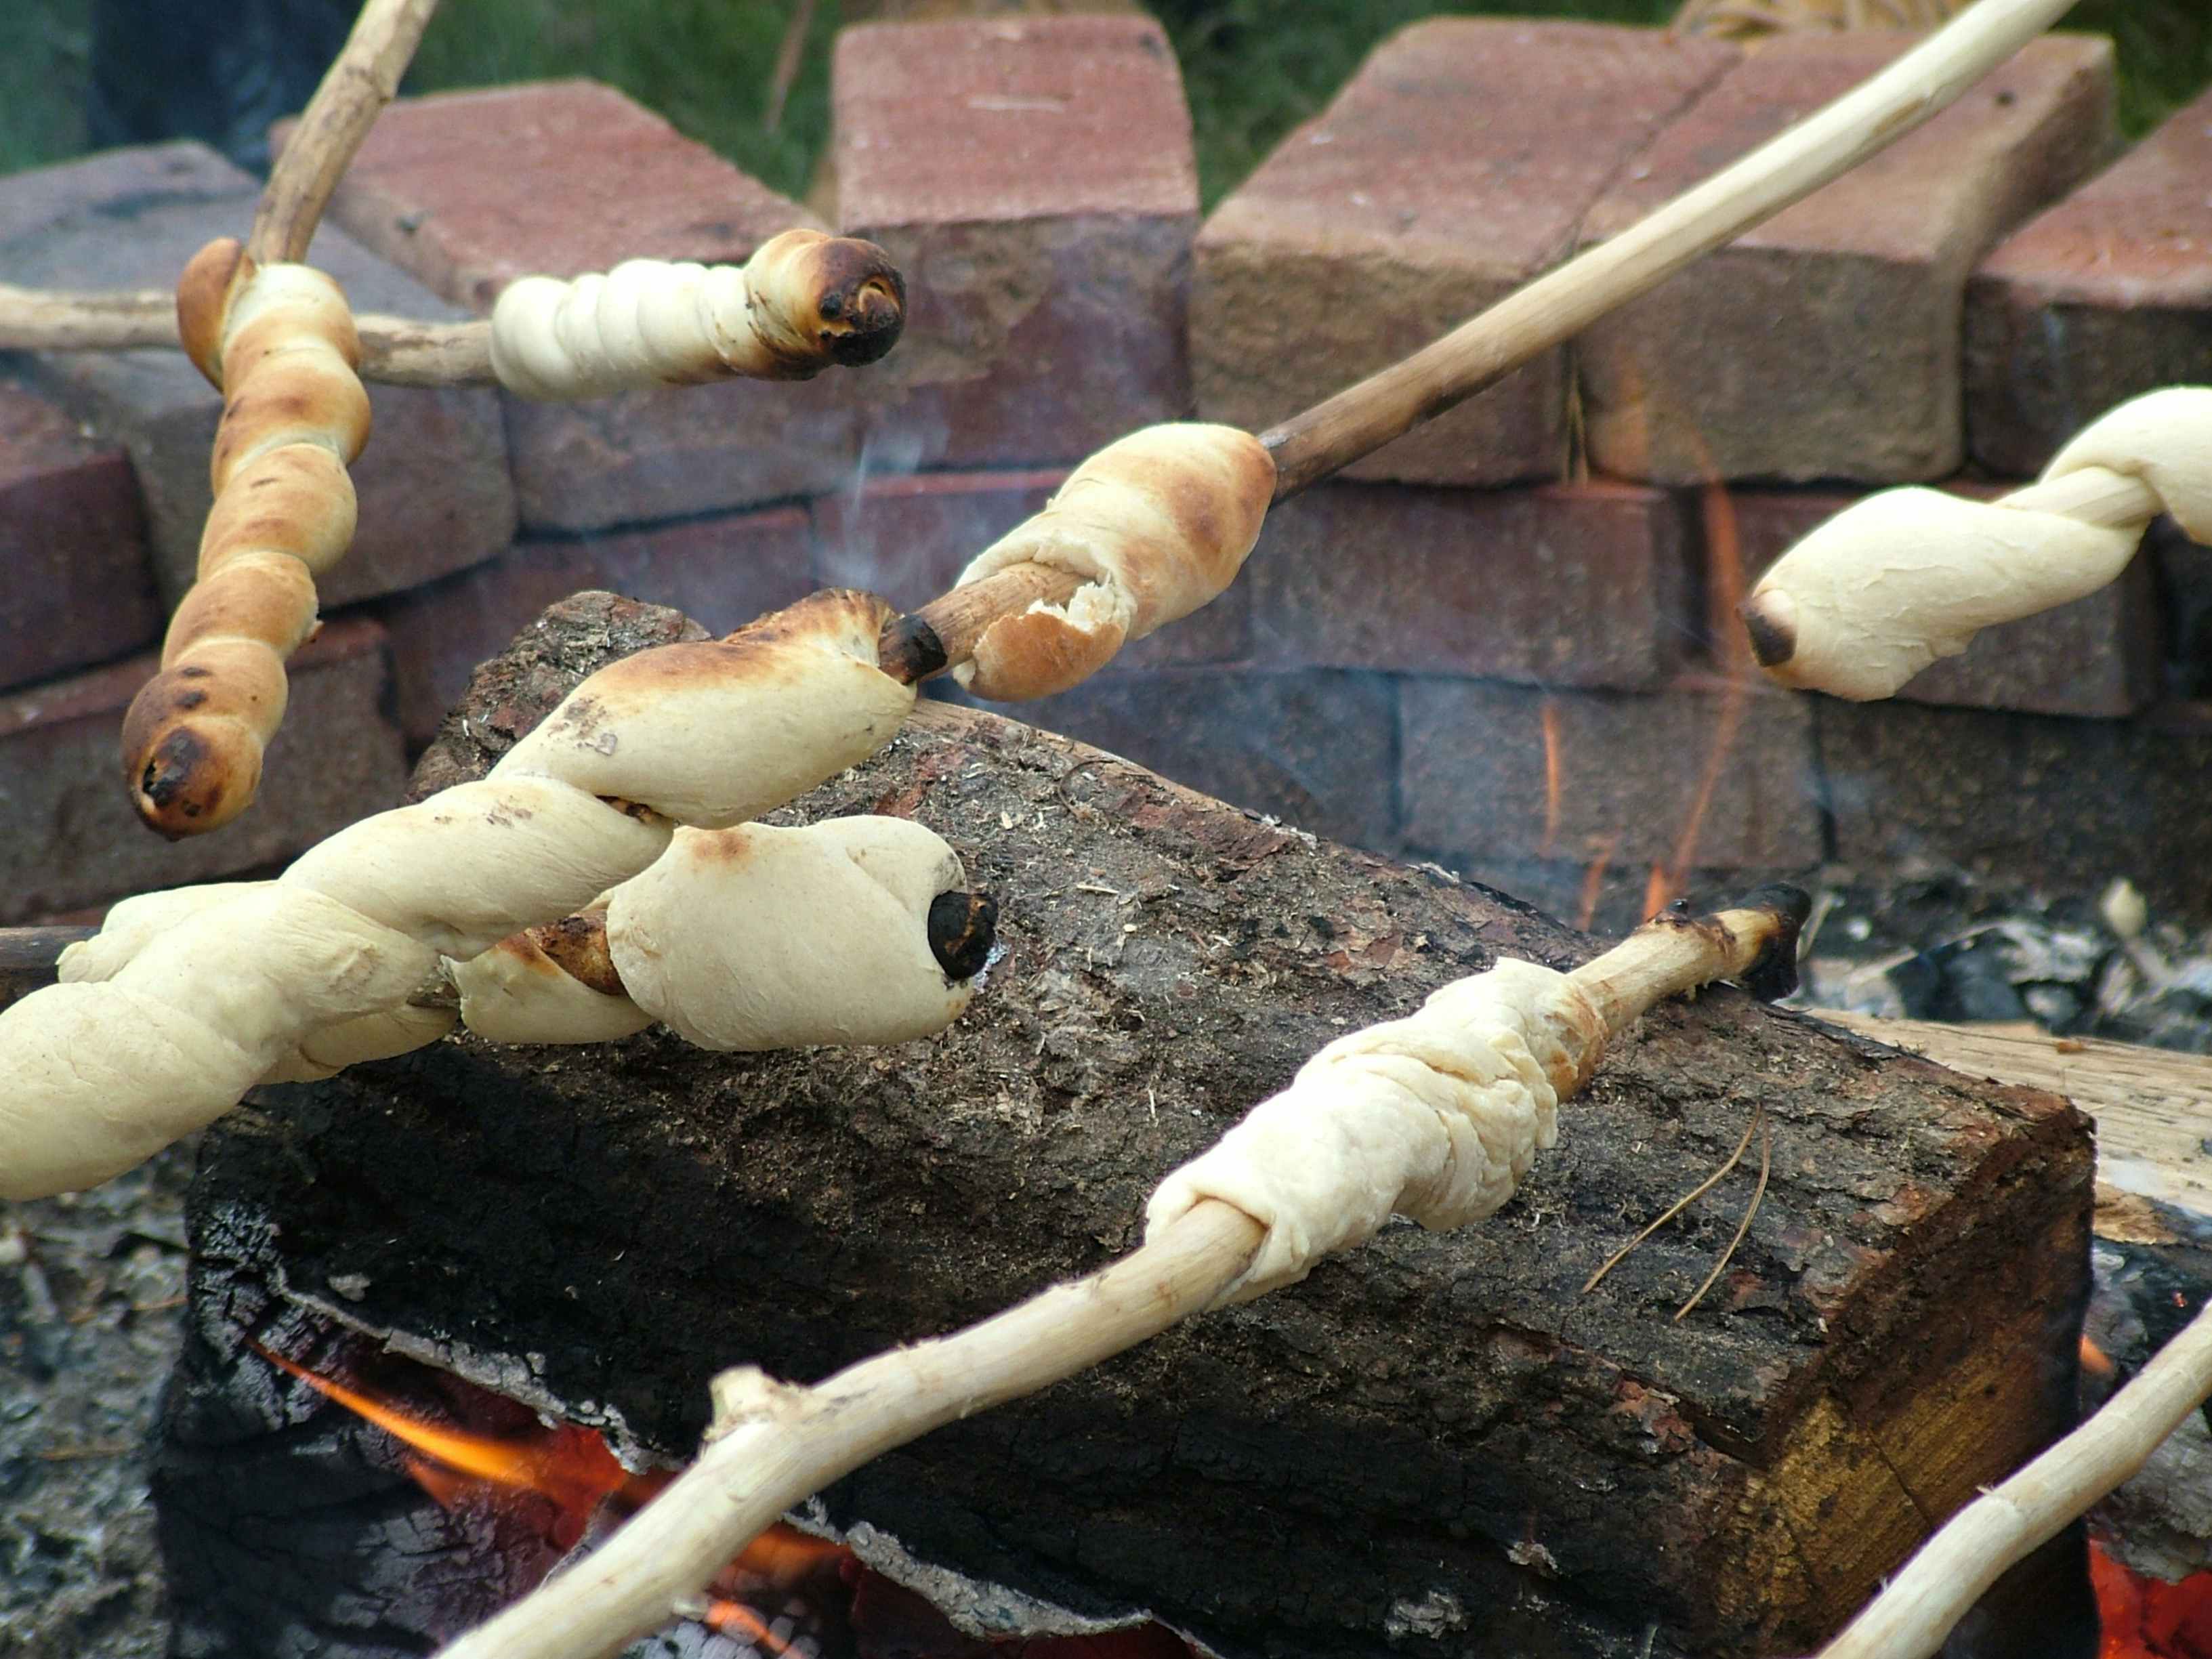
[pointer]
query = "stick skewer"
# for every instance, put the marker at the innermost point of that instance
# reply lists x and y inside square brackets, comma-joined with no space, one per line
[773,1443]
[1554,308]
[394,350]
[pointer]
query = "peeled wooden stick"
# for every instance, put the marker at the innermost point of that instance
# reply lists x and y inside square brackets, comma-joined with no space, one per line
[358,86]
[1905,576]
[394,350]
[1917,1610]
[948,632]
[773,1443]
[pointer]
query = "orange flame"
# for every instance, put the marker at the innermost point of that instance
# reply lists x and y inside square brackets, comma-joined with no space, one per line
[1594,881]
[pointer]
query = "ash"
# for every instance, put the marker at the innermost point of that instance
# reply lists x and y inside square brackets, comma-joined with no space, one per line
[92,1290]
[1946,946]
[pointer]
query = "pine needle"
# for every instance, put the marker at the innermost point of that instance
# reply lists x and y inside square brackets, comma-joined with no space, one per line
[1680,1204]
[1758,1192]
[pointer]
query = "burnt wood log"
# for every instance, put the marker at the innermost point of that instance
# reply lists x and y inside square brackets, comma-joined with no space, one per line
[1437,1443]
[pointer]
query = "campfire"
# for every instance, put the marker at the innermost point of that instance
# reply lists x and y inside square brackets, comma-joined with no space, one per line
[1777,1349]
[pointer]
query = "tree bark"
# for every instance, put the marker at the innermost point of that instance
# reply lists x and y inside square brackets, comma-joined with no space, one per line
[1436,1444]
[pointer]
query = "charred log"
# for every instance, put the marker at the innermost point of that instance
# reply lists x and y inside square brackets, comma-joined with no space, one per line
[1436,1443]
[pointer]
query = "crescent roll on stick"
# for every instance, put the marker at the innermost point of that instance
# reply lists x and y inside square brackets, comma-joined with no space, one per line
[280,341]
[1154,525]
[1887,585]
[102,1075]
[804,302]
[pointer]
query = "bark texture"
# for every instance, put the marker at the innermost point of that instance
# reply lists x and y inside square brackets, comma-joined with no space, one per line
[1436,1444]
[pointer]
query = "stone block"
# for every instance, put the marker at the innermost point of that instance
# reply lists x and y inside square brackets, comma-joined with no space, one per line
[1478,757]
[1564,584]
[79,587]
[723,571]
[1826,343]
[2106,295]
[1457,164]
[467,190]
[433,484]
[909,538]
[2062,806]
[1317,750]
[2097,656]
[73,839]
[1034,180]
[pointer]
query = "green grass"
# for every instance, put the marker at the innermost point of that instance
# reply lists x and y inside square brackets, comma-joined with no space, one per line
[1255,68]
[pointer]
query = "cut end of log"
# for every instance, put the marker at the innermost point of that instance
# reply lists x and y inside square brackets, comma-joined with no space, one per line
[1770,619]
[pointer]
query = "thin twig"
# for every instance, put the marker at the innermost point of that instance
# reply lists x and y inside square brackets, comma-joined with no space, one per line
[337,118]
[1757,1196]
[1680,1204]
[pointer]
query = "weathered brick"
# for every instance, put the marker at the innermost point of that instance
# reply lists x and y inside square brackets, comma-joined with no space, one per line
[723,572]
[73,840]
[1565,585]
[1318,749]
[432,483]
[79,587]
[2061,804]
[1034,180]
[2097,656]
[1826,343]
[1457,165]
[2104,296]
[469,190]
[1630,768]
[2184,571]
[909,537]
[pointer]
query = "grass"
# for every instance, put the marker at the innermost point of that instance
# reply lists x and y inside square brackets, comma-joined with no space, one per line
[1255,68]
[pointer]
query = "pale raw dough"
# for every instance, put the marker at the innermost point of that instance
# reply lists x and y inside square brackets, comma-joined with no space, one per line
[1905,577]
[1435,1116]
[514,993]
[1157,524]
[822,935]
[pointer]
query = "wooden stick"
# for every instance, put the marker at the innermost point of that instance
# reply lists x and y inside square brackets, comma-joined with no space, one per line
[773,1443]
[337,118]
[394,350]
[1912,1616]
[28,956]
[1556,308]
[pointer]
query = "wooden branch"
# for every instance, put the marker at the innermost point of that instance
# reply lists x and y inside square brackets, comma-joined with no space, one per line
[1555,307]
[394,350]
[337,118]
[28,956]
[2151,1105]
[1910,1619]
[773,1443]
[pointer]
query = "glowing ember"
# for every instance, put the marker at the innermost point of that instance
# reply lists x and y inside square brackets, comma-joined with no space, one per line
[2147,1617]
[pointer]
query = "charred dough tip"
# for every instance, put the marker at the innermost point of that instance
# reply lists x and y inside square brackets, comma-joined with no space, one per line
[1770,621]
[963,927]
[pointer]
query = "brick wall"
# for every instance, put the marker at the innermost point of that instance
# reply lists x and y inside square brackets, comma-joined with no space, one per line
[1503,644]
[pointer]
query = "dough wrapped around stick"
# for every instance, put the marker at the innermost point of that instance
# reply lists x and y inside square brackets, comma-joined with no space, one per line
[804,302]
[1155,524]
[1886,587]
[279,340]
[102,1075]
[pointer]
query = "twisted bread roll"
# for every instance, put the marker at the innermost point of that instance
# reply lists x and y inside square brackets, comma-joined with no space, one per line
[1889,584]
[803,301]
[100,1075]
[1435,1116]
[1156,524]
[280,341]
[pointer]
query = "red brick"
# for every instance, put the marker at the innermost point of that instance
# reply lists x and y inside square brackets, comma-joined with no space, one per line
[1317,750]
[2106,295]
[432,483]
[1457,165]
[469,190]
[909,538]
[1630,767]
[1034,180]
[2097,656]
[73,840]
[1565,585]
[1826,343]
[2062,806]
[79,587]
[722,572]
